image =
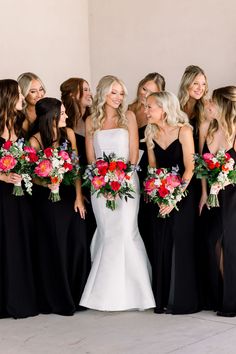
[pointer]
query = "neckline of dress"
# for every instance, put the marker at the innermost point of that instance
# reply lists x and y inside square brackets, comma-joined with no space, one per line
[167,146]
[104,130]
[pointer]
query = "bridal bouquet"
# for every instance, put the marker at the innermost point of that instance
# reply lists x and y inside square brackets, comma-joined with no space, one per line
[110,176]
[54,166]
[164,186]
[219,171]
[19,158]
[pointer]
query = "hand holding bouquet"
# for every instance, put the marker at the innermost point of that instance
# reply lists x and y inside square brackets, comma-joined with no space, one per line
[164,186]
[110,176]
[54,165]
[20,159]
[219,171]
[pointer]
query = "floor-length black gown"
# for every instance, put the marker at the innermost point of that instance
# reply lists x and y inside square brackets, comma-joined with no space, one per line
[220,231]
[90,218]
[17,276]
[63,251]
[173,239]
[144,208]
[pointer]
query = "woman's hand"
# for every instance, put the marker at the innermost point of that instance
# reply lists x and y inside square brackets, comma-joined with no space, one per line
[165,209]
[202,203]
[54,186]
[79,206]
[11,178]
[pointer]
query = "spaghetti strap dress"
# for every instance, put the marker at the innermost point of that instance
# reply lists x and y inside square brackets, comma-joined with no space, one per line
[173,242]
[221,250]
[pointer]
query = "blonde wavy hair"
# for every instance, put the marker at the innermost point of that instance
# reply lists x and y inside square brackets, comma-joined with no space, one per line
[225,99]
[187,79]
[174,116]
[104,88]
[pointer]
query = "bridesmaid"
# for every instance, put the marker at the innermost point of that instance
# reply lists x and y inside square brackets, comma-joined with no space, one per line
[192,96]
[170,143]
[77,99]
[17,287]
[152,82]
[63,252]
[220,133]
[33,90]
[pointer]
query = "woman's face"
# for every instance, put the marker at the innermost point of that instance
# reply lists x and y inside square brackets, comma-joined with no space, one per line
[36,92]
[154,112]
[198,87]
[63,117]
[19,104]
[145,90]
[86,96]
[116,96]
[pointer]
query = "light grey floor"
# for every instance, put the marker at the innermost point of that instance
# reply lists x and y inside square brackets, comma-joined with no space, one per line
[93,332]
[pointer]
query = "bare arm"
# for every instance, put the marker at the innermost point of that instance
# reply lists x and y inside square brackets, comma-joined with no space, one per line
[133,138]
[203,129]
[79,201]
[89,141]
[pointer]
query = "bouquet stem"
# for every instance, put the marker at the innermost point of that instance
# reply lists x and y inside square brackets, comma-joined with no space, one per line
[18,190]
[213,200]
[111,204]
[54,195]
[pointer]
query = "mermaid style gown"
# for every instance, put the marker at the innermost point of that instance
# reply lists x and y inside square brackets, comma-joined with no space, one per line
[120,275]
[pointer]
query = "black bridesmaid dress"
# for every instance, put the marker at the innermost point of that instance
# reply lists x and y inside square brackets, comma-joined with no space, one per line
[90,218]
[220,245]
[17,275]
[173,242]
[63,251]
[144,208]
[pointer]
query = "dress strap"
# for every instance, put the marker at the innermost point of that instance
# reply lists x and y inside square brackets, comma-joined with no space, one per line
[40,145]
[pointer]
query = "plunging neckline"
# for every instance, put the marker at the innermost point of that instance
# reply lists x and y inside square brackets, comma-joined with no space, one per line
[167,146]
[213,153]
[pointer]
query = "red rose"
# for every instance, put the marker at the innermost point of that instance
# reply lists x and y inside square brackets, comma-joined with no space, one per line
[48,152]
[102,171]
[121,165]
[115,186]
[33,157]
[7,145]
[67,165]
[112,166]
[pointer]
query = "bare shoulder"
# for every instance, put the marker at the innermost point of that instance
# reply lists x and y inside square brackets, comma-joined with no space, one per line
[70,133]
[131,117]
[185,131]
[204,126]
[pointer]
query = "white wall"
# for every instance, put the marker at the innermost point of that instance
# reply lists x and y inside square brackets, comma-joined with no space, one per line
[130,38]
[47,37]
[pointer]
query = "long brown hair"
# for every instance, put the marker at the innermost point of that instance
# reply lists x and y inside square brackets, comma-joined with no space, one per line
[225,99]
[69,90]
[9,96]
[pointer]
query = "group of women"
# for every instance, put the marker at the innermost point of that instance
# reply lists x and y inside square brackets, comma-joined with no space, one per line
[178,264]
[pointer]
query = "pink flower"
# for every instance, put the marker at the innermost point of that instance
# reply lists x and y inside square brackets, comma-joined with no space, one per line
[7,163]
[120,175]
[33,157]
[98,182]
[173,181]
[64,155]
[208,156]
[227,156]
[121,165]
[29,149]
[149,185]
[43,169]
[7,145]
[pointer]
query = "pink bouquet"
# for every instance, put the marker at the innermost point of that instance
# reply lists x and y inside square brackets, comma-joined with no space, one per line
[18,158]
[164,186]
[110,176]
[219,171]
[57,165]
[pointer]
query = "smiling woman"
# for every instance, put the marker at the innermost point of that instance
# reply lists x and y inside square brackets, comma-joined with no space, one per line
[33,90]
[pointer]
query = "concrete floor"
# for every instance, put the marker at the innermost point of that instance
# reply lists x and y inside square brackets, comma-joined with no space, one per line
[93,332]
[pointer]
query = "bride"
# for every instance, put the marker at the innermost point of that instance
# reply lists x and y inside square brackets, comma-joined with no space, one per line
[120,275]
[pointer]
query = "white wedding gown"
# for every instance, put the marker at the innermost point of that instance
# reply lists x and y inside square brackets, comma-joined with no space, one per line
[120,275]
